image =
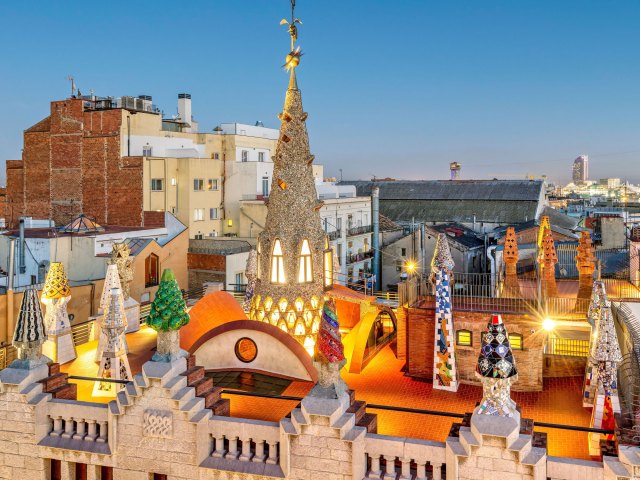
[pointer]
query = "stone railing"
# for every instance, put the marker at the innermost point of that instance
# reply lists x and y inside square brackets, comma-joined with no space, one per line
[383,452]
[241,445]
[77,426]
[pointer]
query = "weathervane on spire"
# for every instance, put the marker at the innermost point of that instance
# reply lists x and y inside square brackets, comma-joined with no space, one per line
[293,59]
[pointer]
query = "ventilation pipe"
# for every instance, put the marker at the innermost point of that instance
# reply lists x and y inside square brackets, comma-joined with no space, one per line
[22,266]
[375,217]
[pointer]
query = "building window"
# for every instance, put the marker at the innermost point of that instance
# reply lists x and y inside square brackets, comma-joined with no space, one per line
[265,186]
[212,184]
[151,269]
[277,263]
[106,473]
[464,338]
[198,184]
[199,236]
[146,150]
[515,339]
[403,252]
[159,476]
[213,213]
[216,156]
[237,287]
[261,156]
[245,156]
[81,471]
[157,184]
[246,350]
[305,273]
[198,214]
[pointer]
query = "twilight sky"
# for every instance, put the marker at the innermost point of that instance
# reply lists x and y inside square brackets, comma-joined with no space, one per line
[395,88]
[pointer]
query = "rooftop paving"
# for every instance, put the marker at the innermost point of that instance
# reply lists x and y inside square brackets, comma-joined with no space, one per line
[382,382]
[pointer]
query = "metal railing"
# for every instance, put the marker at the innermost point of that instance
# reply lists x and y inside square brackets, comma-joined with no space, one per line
[336,234]
[359,257]
[7,355]
[567,347]
[359,230]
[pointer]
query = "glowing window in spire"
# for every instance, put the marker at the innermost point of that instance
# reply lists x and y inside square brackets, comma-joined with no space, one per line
[305,273]
[277,263]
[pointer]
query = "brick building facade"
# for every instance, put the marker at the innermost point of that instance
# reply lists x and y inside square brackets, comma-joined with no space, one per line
[72,164]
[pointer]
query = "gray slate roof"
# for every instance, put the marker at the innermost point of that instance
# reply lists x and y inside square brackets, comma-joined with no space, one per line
[490,201]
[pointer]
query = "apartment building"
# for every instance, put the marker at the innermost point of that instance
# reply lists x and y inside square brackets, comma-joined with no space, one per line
[118,159]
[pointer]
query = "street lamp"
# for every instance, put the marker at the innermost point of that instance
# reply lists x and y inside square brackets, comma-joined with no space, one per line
[548,324]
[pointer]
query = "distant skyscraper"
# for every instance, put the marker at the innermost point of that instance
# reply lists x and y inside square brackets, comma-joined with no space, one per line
[581,169]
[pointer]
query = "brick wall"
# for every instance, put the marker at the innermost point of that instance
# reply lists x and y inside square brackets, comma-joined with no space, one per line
[71,164]
[420,334]
[563,366]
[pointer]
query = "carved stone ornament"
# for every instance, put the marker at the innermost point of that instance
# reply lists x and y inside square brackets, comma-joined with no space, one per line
[157,423]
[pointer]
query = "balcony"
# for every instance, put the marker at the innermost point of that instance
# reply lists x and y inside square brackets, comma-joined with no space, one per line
[335,235]
[359,257]
[359,230]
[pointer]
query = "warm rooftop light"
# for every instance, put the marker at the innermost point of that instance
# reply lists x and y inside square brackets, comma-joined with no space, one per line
[548,324]
[411,267]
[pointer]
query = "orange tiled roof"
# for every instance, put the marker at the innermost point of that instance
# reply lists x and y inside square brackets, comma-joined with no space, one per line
[213,310]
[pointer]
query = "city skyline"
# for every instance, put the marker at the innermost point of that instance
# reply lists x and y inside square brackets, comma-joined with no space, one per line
[506,91]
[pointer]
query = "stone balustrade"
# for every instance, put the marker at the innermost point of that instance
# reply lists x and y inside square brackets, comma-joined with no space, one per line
[244,445]
[413,457]
[77,426]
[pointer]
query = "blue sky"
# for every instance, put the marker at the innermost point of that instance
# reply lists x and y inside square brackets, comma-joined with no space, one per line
[394,88]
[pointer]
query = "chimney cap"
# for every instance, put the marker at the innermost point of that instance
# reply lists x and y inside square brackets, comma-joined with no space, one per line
[184,95]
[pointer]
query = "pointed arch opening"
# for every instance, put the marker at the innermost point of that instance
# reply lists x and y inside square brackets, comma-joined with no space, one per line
[277,263]
[305,272]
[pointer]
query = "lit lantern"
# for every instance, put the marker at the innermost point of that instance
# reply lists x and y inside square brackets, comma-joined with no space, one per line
[282,304]
[316,325]
[275,316]
[260,314]
[299,303]
[308,317]
[256,299]
[299,330]
[268,303]
[291,317]
[315,302]
[309,345]
[283,326]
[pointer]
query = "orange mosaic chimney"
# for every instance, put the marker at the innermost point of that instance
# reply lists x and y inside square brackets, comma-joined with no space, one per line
[586,263]
[549,261]
[510,255]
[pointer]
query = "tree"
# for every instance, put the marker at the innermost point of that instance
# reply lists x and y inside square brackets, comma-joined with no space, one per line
[168,309]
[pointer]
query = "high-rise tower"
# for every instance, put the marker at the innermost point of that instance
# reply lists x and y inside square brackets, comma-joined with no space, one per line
[580,169]
[294,260]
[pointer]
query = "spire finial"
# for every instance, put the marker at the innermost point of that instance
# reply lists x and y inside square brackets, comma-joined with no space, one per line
[293,59]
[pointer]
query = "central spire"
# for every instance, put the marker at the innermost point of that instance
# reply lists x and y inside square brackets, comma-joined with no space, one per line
[294,260]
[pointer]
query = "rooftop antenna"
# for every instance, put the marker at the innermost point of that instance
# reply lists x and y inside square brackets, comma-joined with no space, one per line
[73,85]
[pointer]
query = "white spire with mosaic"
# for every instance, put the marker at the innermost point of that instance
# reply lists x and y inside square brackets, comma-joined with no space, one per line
[295,263]
[29,334]
[445,375]
[56,294]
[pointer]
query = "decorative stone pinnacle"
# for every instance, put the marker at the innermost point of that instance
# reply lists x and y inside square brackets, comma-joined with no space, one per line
[442,259]
[29,334]
[510,253]
[497,369]
[56,285]
[550,255]
[121,257]
[585,257]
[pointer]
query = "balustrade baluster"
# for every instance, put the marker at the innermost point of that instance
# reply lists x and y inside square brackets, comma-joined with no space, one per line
[390,470]
[246,450]
[437,471]
[375,466]
[233,448]
[273,453]
[406,469]
[219,451]
[57,426]
[68,428]
[80,429]
[91,434]
[102,432]
[421,470]
[259,455]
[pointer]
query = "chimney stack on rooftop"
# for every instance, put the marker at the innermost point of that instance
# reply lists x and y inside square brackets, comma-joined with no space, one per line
[184,110]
